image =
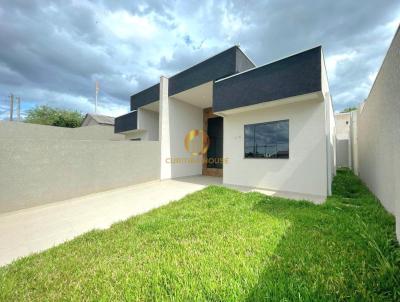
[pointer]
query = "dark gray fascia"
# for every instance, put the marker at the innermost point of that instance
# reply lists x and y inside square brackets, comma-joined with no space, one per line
[216,67]
[295,75]
[224,64]
[145,97]
[126,122]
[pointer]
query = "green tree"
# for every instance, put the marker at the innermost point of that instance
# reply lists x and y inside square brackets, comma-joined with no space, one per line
[46,115]
[348,109]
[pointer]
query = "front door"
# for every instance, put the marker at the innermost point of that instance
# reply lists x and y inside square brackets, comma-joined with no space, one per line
[215,133]
[213,126]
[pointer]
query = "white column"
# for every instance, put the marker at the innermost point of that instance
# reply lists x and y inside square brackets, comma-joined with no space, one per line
[164,131]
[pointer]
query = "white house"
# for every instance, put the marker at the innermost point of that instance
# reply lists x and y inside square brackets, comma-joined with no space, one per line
[269,127]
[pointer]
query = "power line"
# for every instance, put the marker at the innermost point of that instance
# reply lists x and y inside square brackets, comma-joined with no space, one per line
[11,106]
[19,108]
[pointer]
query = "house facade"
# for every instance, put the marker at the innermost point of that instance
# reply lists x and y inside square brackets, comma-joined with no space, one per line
[268,127]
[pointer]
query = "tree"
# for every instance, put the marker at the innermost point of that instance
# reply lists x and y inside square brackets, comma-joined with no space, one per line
[46,115]
[348,109]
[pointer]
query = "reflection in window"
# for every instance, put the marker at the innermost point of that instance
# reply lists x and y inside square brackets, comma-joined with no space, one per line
[267,140]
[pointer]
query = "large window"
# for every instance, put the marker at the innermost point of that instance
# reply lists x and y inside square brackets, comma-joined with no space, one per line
[267,140]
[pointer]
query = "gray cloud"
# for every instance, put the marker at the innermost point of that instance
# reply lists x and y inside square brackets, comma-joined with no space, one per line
[53,51]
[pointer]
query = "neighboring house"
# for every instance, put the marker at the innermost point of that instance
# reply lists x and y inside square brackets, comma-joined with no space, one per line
[273,125]
[97,119]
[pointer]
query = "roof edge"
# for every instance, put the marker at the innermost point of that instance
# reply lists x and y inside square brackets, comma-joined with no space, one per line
[271,62]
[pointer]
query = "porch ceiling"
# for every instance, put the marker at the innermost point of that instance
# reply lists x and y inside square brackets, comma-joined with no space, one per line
[155,106]
[199,96]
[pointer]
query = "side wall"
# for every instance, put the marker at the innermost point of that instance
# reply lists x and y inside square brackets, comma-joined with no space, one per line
[305,171]
[176,120]
[379,134]
[330,127]
[183,118]
[342,153]
[354,141]
[38,171]
[148,120]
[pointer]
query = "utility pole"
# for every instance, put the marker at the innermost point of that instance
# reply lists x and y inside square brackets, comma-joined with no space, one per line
[97,92]
[11,106]
[19,108]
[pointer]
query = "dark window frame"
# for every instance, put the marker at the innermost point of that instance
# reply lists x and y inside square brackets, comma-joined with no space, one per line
[276,143]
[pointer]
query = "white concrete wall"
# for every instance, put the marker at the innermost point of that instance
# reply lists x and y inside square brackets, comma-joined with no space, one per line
[354,141]
[305,172]
[342,153]
[37,171]
[343,123]
[30,131]
[148,120]
[177,118]
[343,137]
[379,134]
[183,118]
[164,130]
[330,126]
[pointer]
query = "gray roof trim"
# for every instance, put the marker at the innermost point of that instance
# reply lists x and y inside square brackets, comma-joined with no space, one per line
[145,97]
[298,74]
[222,64]
[126,122]
[202,61]
[215,67]
[271,62]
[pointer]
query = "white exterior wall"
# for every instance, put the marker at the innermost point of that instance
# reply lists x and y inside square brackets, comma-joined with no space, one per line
[149,121]
[176,120]
[183,118]
[379,134]
[343,153]
[164,130]
[354,141]
[343,123]
[330,127]
[305,172]
[343,136]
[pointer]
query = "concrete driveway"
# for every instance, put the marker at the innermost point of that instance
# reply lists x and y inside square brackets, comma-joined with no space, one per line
[36,229]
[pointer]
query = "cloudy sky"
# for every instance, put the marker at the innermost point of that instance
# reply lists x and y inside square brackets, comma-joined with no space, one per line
[52,52]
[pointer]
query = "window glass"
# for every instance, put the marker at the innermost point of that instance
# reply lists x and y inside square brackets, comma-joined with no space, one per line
[267,140]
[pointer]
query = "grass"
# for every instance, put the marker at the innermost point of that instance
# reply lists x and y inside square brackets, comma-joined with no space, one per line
[222,245]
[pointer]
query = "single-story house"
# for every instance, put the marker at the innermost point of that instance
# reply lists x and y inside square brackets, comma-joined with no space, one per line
[268,127]
[97,119]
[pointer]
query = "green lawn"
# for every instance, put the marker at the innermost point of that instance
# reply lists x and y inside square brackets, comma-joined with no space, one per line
[222,245]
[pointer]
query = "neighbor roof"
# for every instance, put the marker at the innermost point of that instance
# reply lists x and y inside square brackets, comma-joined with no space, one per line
[101,119]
